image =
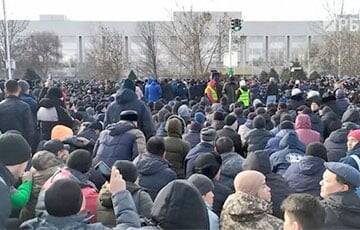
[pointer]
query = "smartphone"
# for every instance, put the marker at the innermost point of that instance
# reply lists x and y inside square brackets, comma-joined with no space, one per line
[103,169]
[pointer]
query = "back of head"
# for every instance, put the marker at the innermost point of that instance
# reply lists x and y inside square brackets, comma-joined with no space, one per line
[172,211]
[24,86]
[249,182]
[208,134]
[63,198]
[259,122]
[224,145]
[316,149]
[202,183]
[80,160]
[305,209]
[127,170]
[230,120]
[286,125]
[11,86]
[54,93]
[259,161]
[156,145]
[208,164]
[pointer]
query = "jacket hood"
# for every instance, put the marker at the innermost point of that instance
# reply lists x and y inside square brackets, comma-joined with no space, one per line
[174,126]
[303,122]
[289,140]
[326,110]
[231,164]
[172,211]
[151,164]
[351,115]
[124,96]
[310,165]
[350,126]
[120,128]
[259,161]
[339,136]
[243,207]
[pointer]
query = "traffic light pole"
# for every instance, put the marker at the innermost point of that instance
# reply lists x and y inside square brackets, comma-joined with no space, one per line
[230,32]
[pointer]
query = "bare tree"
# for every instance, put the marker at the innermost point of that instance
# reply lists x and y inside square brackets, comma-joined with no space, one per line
[148,62]
[338,53]
[42,52]
[192,40]
[106,56]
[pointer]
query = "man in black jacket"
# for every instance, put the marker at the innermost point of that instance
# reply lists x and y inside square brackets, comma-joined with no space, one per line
[342,205]
[16,114]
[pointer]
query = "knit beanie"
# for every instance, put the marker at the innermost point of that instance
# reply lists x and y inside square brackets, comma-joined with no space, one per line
[63,198]
[218,116]
[208,134]
[230,119]
[259,122]
[129,115]
[286,125]
[14,149]
[80,160]
[249,182]
[316,149]
[127,170]
[208,164]
[61,132]
[355,134]
[202,183]
[199,118]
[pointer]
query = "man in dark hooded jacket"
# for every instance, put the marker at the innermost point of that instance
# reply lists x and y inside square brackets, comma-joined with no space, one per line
[289,153]
[351,115]
[171,210]
[120,141]
[257,138]
[126,99]
[304,176]
[330,120]
[154,170]
[336,142]
[259,161]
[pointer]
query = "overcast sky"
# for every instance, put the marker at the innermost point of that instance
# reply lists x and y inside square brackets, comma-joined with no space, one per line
[131,10]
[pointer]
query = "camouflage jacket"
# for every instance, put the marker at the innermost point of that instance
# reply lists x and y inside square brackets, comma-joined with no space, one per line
[243,211]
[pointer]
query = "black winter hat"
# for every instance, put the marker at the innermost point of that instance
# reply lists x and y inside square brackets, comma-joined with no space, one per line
[230,119]
[202,183]
[128,84]
[259,122]
[286,125]
[218,116]
[251,116]
[316,149]
[80,160]
[172,211]
[14,149]
[208,164]
[63,198]
[127,170]
[129,115]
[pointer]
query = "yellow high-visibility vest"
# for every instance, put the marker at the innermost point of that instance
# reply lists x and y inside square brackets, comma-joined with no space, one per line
[213,93]
[244,97]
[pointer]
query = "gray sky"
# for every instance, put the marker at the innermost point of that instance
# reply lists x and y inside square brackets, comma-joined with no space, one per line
[130,10]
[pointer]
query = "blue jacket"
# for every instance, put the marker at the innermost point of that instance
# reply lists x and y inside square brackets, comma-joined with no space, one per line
[153,91]
[350,160]
[31,101]
[202,147]
[154,173]
[304,176]
[230,167]
[118,142]
[273,144]
[288,154]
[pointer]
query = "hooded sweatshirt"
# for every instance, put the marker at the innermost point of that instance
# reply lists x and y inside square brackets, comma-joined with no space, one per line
[303,129]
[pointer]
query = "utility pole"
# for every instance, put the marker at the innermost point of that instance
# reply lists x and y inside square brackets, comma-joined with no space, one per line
[8,56]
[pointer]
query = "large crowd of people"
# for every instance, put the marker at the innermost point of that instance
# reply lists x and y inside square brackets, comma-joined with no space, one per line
[221,153]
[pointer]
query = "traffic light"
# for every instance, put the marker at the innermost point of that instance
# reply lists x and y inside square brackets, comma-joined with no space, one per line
[236,24]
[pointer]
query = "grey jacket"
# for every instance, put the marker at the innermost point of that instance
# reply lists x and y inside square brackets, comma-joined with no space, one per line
[124,209]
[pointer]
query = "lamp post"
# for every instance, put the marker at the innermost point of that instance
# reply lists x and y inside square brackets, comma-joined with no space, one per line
[8,56]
